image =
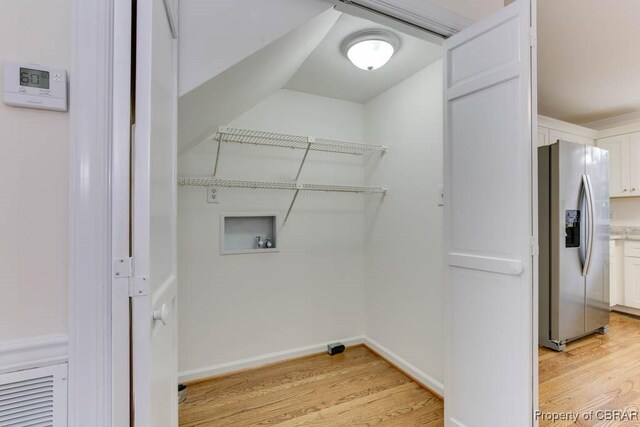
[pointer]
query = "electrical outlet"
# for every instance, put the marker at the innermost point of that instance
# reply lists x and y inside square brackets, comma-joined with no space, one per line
[212,195]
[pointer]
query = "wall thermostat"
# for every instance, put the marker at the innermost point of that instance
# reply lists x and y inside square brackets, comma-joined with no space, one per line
[35,86]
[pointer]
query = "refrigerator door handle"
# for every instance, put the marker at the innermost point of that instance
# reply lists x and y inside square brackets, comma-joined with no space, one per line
[586,182]
[582,206]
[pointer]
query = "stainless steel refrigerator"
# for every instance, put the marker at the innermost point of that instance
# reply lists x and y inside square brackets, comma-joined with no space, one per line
[573,230]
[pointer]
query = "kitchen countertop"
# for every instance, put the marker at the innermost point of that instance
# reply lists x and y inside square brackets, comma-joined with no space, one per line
[624,232]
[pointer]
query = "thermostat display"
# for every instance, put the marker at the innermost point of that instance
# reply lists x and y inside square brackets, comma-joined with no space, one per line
[34,78]
[35,86]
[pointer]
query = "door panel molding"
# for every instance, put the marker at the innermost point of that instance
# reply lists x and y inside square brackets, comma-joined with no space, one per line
[511,267]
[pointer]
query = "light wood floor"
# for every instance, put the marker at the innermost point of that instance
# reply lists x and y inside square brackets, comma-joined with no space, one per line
[598,372]
[357,388]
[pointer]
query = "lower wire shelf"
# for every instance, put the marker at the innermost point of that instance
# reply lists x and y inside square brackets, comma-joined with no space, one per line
[205,181]
[208,181]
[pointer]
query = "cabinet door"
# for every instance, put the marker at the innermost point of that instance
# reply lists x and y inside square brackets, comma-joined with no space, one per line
[555,135]
[632,282]
[616,273]
[633,163]
[619,179]
[543,136]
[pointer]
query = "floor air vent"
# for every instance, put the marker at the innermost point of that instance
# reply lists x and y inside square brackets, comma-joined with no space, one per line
[34,397]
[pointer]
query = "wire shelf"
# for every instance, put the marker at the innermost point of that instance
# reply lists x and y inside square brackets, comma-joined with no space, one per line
[206,181]
[254,137]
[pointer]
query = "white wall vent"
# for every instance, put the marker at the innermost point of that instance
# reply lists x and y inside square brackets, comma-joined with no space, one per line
[34,397]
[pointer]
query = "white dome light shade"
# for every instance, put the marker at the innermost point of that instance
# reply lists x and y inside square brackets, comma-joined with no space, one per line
[370,54]
[370,49]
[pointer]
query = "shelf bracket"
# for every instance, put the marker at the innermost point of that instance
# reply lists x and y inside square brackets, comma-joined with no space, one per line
[293,201]
[310,141]
[220,140]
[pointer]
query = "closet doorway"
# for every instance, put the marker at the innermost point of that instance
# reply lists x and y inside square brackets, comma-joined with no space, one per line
[307,185]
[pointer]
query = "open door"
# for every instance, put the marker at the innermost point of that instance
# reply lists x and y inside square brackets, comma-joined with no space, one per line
[154,305]
[489,221]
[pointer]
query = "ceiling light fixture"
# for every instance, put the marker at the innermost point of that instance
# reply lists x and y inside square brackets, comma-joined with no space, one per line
[370,49]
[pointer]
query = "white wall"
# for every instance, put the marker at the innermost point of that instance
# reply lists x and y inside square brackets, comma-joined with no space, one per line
[234,307]
[214,35]
[403,249]
[33,179]
[625,211]
[248,82]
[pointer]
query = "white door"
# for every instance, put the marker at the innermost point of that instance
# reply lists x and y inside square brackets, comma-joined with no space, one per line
[154,315]
[489,190]
[633,163]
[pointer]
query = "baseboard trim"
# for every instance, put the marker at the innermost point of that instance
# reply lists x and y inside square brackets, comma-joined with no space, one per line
[630,311]
[35,352]
[196,375]
[419,376]
[230,368]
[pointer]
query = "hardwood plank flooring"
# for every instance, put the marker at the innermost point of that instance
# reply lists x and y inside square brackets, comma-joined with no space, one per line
[595,373]
[355,388]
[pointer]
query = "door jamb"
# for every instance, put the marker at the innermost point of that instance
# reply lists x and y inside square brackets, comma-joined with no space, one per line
[533,52]
[95,202]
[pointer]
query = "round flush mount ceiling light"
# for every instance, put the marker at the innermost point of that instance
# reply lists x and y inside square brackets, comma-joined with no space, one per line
[370,49]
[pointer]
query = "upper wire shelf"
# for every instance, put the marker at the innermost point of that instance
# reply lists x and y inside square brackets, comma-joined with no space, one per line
[270,139]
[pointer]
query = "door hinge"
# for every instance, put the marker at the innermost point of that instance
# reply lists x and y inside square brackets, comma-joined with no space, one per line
[139,286]
[533,37]
[535,249]
[124,268]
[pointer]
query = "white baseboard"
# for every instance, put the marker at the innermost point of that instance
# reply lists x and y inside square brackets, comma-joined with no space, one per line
[35,352]
[265,359]
[415,373]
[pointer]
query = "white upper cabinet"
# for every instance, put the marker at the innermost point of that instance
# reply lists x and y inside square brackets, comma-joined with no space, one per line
[543,136]
[624,161]
[618,164]
[555,135]
[551,130]
[634,164]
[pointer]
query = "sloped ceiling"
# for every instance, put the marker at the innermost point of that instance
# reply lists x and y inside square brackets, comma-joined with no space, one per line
[215,34]
[327,72]
[225,96]
[588,59]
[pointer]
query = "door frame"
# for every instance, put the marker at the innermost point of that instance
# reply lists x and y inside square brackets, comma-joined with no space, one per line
[98,202]
[98,105]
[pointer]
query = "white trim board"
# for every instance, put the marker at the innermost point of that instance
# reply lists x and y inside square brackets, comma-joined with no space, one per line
[90,195]
[282,356]
[620,130]
[551,123]
[262,360]
[614,122]
[605,128]
[416,374]
[420,13]
[35,352]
